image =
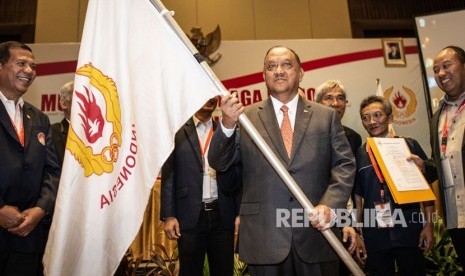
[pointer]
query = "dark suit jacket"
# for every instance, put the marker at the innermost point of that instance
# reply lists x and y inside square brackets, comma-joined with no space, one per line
[182,183]
[28,176]
[321,163]
[355,140]
[59,135]
[436,152]
[392,55]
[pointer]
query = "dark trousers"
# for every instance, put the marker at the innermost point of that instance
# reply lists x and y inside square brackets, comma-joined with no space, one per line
[410,261]
[458,239]
[294,266]
[20,264]
[208,237]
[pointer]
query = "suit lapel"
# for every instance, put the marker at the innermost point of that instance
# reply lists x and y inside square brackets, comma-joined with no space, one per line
[434,127]
[302,120]
[64,130]
[270,124]
[191,133]
[65,127]
[5,120]
[27,125]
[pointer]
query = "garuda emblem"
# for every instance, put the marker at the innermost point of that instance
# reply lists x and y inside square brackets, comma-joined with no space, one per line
[207,45]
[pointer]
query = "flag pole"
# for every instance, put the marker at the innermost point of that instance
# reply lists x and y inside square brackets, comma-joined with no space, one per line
[261,144]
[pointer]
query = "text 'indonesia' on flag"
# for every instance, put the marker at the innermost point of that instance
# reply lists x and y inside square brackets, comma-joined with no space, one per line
[135,85]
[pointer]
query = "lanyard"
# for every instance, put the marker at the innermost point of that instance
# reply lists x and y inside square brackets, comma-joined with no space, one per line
[18,129]
[204,149]
[445,132]
[377,171]
[20,134]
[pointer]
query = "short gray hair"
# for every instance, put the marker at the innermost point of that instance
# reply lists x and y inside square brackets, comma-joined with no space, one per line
[326,87]
[66,91]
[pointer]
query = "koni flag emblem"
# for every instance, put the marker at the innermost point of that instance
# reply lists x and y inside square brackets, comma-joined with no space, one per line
[136,83]
[96,152]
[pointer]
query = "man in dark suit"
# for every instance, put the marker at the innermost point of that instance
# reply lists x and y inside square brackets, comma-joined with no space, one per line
[29,173]
[332,94]
[448,143]
[394,52]
[198,205]
[60,129]
[309,140]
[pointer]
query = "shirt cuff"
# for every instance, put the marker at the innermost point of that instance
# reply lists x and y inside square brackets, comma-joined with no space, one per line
[227,131]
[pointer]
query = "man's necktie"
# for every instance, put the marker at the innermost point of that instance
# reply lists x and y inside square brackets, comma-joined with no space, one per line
[286,130]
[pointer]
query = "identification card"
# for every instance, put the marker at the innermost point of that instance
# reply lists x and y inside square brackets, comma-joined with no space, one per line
[449,180]
[383,214]
[212,173]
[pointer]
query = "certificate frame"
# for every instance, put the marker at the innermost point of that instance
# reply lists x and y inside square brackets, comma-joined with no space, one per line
[400,197]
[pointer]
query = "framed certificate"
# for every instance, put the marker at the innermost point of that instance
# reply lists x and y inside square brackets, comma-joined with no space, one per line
[404,179]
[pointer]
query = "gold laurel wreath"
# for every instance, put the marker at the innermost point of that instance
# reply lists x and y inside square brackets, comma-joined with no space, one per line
[99,163]
[413,101]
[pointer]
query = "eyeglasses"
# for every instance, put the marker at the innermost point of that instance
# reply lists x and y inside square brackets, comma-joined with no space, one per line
[330,99]
[366,118]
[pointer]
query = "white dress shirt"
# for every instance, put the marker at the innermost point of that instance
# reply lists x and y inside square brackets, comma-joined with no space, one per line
[210,188]
[15,111]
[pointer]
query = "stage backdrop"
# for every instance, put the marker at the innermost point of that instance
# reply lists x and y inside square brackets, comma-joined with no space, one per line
[357,63]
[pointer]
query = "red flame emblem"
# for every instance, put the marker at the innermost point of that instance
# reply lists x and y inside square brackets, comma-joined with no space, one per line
[92,119]
[399,100]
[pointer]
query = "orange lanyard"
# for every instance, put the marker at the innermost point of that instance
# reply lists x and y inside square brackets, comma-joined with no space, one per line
[20,131]
[204,149]
[20,134]
[445,132]
[376,169]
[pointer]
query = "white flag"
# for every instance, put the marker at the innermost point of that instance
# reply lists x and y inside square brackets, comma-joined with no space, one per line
[135,85]
[380,92]
[379,89]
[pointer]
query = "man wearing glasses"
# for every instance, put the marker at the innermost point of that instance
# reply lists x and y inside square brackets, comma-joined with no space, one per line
[332,93]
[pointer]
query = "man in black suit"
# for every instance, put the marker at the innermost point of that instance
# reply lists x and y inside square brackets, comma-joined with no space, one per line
[199,206]
[332,93]
[29,173]
[60,129]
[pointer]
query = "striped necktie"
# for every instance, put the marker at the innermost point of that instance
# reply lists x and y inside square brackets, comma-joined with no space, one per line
[286,130]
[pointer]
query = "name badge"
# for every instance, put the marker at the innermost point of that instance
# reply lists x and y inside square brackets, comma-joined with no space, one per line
[447,170]
[212,173]
[383,214]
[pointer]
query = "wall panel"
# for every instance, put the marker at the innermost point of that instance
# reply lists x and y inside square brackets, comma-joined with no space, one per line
[276,19]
